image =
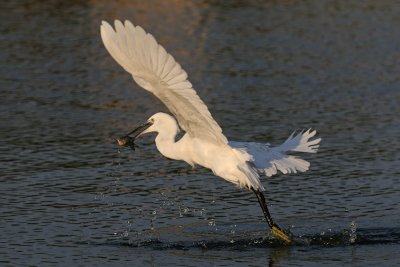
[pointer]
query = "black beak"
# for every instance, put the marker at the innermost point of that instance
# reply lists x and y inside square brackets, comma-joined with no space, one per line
[128,140]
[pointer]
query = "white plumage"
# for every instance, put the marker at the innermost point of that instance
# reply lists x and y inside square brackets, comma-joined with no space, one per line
[204,143]
[157,71]
[270,160]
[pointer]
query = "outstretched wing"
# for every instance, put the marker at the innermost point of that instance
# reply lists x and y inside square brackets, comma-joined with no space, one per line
[270,160]
[157,71]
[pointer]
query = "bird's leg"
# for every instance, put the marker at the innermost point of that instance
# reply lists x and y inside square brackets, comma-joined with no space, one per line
[276,230]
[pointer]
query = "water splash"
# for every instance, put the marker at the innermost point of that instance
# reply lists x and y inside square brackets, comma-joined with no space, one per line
[328,239]
[353,232]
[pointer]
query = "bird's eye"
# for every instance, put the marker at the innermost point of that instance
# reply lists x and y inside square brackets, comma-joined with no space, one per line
[151,120]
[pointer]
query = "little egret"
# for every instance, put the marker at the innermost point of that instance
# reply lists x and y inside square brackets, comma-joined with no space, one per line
[203,143]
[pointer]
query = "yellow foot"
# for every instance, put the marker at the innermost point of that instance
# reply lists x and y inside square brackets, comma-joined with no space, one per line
[279,233]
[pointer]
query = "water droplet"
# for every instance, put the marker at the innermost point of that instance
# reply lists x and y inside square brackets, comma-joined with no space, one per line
[125,234]
[353,232]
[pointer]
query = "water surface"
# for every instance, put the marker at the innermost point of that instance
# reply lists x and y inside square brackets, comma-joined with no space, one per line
[69,195]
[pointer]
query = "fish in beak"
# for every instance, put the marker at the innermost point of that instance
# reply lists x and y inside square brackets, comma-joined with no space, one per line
[128,140]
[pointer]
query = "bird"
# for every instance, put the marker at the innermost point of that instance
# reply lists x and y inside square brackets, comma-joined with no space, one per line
[202,141]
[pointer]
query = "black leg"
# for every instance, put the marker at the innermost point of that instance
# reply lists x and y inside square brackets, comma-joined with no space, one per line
[263,204]
[276,230]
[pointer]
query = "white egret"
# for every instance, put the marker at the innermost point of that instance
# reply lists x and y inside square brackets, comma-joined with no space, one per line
[203,142]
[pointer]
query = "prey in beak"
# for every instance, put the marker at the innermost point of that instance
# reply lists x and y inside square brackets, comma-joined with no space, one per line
[128,140]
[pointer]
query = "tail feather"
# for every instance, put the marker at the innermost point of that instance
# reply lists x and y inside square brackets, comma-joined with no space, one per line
[270,160]
[288,164]
[301,143]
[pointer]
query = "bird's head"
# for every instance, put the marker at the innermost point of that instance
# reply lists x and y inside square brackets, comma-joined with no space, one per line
[159,122]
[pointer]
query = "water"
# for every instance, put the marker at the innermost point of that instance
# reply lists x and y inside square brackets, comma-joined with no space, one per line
[70,196]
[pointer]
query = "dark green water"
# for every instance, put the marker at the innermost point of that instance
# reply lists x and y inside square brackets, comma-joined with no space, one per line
[69,196]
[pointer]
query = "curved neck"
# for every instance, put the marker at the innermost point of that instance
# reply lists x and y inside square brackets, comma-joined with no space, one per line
[166,144]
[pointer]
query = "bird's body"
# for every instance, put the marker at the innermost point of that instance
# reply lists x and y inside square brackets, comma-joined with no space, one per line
[225,161]
[203,142]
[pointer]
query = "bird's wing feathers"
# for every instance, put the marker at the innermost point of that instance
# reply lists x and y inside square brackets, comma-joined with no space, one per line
[270,160]
[157,71]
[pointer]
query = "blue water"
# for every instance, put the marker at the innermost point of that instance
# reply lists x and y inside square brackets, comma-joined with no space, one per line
[69,195]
